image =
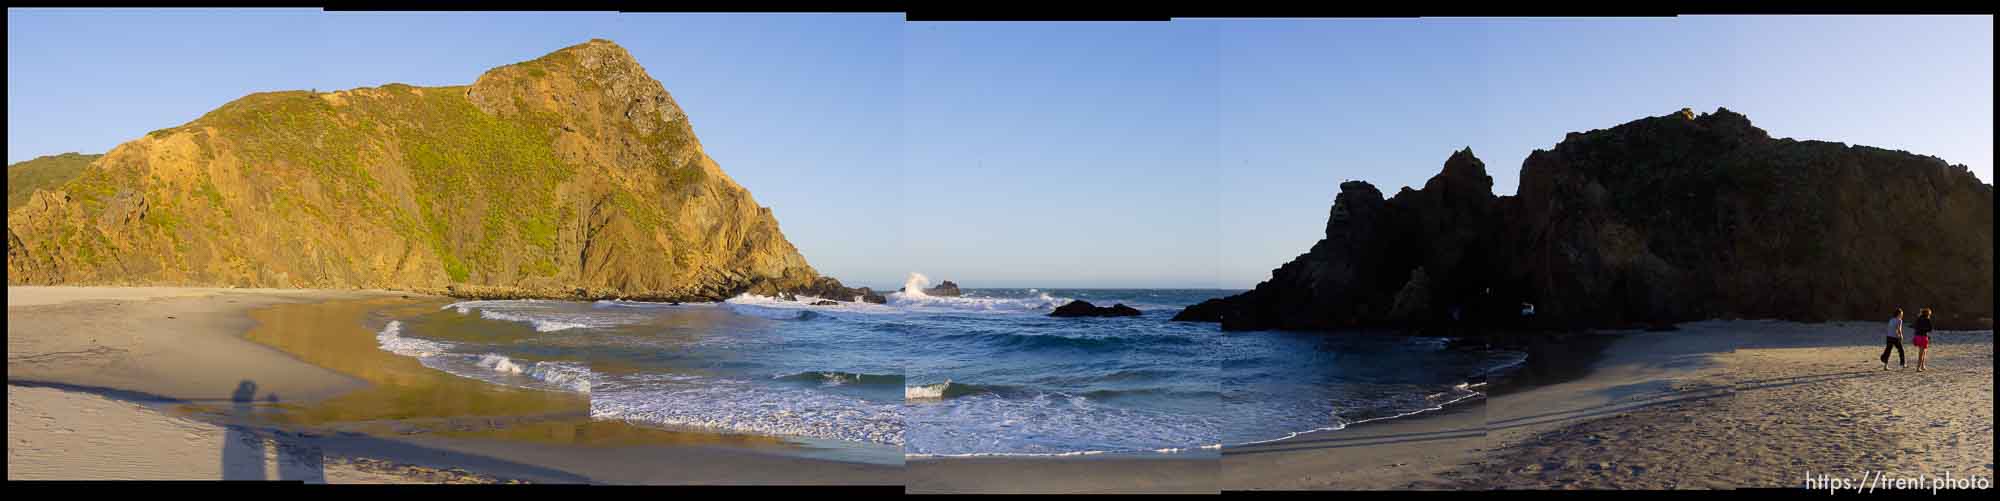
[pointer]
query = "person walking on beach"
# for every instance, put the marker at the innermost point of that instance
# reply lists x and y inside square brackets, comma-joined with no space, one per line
[1923,337]
[1895,341]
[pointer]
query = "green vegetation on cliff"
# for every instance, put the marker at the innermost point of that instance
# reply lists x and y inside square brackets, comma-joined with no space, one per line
[574,171]
[42,173]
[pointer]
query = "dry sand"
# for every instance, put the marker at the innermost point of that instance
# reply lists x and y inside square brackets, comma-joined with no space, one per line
[60,435]
[1719,404]
[172,343]
[123,383]
[1752,404]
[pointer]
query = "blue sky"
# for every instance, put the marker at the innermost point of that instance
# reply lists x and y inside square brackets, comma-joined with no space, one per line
[1195,153]
[1308,104]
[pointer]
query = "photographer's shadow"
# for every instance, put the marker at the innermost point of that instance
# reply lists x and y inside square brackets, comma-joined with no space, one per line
[247,452]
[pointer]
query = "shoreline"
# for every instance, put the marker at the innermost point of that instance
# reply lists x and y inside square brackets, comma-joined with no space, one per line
[1364,456]
[1102,473]
[129,382]
[1716,404]
[173,355]
[1413,450]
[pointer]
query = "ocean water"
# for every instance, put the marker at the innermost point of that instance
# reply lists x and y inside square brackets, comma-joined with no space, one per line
[988,373]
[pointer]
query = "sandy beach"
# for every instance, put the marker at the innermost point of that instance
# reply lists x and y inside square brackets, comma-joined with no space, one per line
[127,383]
[1406,453]
[1714,405]
[1195,473]
[1749,404]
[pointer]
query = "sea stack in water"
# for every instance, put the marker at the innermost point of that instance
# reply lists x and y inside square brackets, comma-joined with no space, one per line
[947,289]
[1664,219]
[1081,308]
[944,289]
[572,172]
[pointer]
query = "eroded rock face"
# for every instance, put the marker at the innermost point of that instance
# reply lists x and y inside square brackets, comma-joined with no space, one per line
[574,175]
[1081,308]
[1664,219]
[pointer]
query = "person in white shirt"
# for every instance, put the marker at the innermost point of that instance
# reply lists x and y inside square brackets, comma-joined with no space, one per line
[1895,341]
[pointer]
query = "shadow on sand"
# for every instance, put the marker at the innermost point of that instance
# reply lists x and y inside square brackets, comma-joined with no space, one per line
[247,454]
[248,449]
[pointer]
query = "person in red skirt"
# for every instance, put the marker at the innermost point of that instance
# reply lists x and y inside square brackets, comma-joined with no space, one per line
[1923,337]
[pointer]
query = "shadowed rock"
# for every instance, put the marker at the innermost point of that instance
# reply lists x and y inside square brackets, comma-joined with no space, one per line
[1660,220]
[947,289]
[1081,308]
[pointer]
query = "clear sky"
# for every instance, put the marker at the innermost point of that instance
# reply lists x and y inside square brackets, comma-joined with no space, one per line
[1307,104]
[1196,153]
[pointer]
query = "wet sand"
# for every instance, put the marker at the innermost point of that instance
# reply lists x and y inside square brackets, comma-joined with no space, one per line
[1406,453]
[1714,405]
[1193,473]
[295,376]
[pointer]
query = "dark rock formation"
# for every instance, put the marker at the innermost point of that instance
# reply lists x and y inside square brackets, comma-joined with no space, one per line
[825,302]
[1080,308]
[1660,220]
[1366,270]
[1670,219]
[944,289]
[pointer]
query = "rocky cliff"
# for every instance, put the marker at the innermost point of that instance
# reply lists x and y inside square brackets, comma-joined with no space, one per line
[1663,219]
[571,175]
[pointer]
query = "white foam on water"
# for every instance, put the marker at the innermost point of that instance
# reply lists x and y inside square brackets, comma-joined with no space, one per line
[568,376]
[391,340]
[540,324]
[1048,424]
[490,367]
[926,392]
[621,303]
[1041,302]
[499,363]
[542,315]
[773,308]
[1509,361]
[464,306]
[914,285]
[733,406]
[911,300]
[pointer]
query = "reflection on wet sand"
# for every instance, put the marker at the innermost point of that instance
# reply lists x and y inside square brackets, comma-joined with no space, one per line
[406,398]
